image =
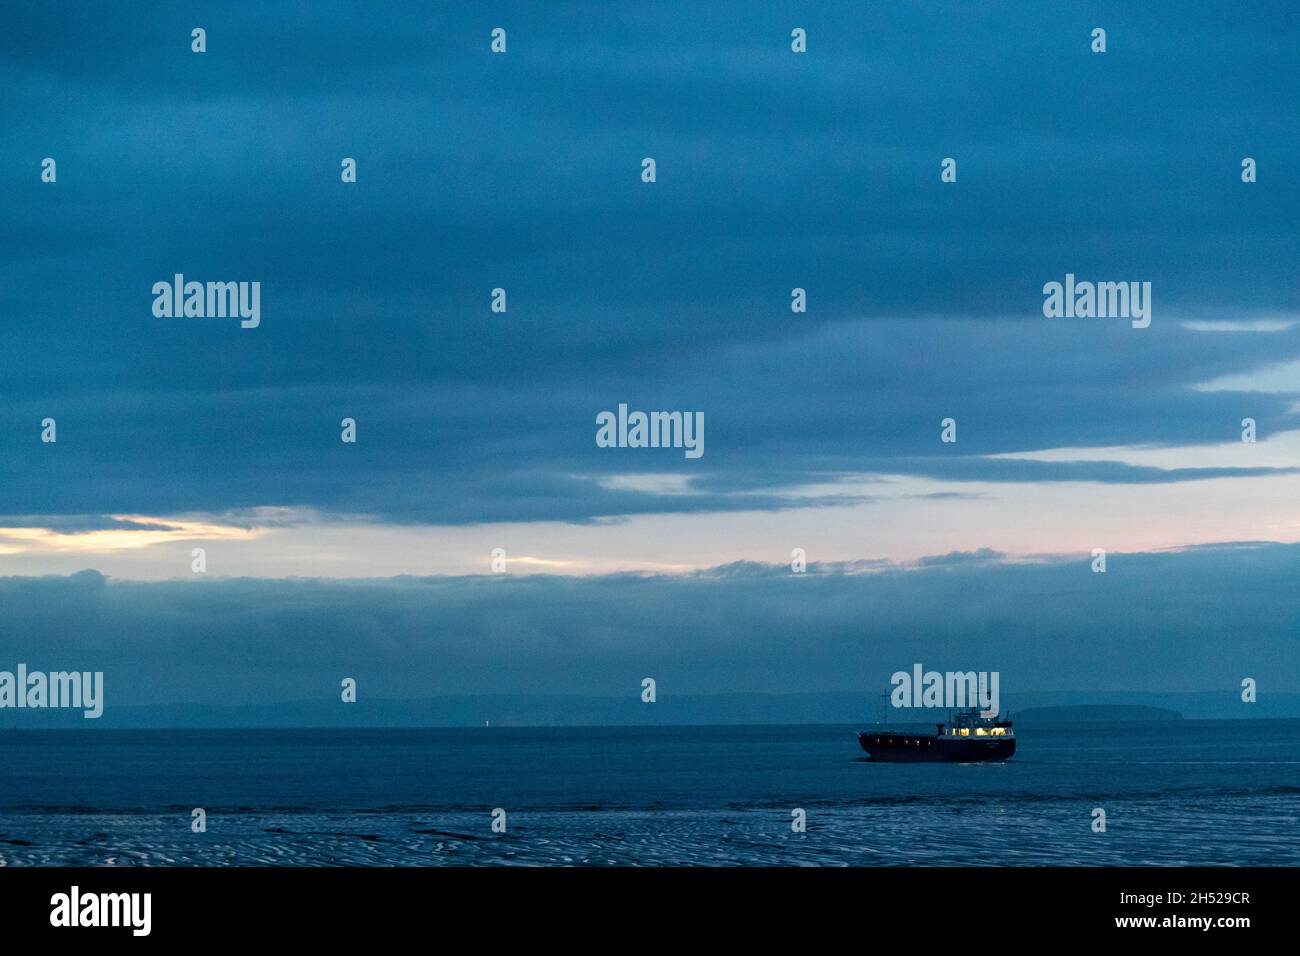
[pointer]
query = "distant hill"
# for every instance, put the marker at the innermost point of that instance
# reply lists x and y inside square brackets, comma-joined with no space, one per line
[1084,714]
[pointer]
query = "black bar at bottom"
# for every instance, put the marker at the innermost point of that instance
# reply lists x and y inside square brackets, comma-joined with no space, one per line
[330,906]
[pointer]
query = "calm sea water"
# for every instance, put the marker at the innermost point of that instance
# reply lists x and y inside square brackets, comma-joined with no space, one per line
[1192,792]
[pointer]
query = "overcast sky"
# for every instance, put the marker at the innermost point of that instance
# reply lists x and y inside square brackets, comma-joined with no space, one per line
[522,171]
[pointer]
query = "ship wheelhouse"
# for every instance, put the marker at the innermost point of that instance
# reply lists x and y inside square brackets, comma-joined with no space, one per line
[971,722]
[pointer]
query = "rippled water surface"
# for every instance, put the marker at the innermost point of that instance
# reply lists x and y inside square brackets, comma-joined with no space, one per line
[1190,792]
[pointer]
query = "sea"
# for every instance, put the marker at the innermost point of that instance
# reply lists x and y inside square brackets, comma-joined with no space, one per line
[1172,792]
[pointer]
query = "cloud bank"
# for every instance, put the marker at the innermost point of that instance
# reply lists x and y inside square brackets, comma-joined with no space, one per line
[1189,621]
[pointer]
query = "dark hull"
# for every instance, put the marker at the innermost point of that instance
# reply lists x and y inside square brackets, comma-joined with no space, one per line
[927,748]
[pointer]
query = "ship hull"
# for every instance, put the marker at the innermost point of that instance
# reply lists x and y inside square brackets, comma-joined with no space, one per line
[928,748]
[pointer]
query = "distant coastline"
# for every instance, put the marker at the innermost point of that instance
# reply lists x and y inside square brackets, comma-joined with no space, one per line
[560,710]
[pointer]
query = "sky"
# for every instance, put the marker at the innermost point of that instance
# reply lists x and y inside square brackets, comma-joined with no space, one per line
[774,170]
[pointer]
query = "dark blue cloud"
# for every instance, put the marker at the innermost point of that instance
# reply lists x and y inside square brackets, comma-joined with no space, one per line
[1190,621]
[520,171]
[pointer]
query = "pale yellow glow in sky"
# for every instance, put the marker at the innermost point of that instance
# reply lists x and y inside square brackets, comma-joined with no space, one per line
[1023,520]
[109,540]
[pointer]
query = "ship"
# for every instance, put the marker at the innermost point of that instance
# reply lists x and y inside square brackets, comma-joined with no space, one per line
[967,736]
